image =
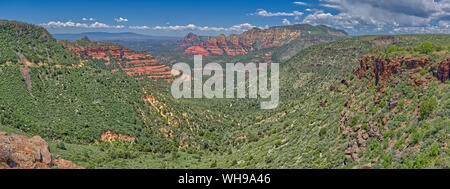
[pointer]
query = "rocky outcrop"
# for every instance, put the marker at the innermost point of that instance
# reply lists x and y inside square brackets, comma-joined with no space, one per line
[139,64]
[382,68]
[441,71]
[21,152]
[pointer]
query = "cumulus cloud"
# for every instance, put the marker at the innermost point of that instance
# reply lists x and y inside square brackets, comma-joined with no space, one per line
[405,15]
[139,27]
[70,24]
[286,22]
[120,19]
[264,13]
[235,28]
[301,3]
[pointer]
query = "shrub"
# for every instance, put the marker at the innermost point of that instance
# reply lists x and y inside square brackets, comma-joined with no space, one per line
[61,146]
[425,48]
[323,131]
[434,151]
[427,107]
[120,149]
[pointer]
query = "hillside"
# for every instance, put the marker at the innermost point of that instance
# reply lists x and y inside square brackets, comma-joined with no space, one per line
[23,43]
[362,102]
[72,104]
[329,117]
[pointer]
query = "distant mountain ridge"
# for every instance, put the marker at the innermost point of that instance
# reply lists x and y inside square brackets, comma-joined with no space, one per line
[275,44]
[105,36]
[258,39]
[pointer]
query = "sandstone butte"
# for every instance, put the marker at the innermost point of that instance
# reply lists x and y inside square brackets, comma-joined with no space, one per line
[21,152]
[139,64]
[252,40]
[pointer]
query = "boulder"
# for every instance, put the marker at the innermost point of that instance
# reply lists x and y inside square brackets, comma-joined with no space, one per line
[21,152]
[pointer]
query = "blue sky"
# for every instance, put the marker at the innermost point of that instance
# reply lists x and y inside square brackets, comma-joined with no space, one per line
[178,17]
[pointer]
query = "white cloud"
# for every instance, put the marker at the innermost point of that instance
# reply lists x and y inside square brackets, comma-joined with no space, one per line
[264,13]
[88,19]
[376,15]
[301,3]
[428,29]
[343,20]
[286,22]
[139,27]
[235,28]
[445,24]
[408,13]
[70,24]
[120,19]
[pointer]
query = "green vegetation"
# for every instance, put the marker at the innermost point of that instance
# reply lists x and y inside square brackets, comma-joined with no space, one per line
[436,51]
[21,43]
[427,107]
[324,108]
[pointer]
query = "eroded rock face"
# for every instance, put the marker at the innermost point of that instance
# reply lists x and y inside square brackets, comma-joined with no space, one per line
[21,152]
[254,39]
[138,64]
[442,70]
[383,68]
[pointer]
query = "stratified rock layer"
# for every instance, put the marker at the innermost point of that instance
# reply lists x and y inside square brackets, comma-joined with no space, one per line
[139,64]
[254,40]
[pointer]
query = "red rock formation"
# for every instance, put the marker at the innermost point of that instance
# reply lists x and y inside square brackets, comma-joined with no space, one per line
[255,39]
[441,71]
[138,64]
[383,68]
[197,50]
[21,152]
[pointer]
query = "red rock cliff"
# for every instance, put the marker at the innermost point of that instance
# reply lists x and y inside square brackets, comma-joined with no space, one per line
[382,69]
[255,39]
[138,64]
